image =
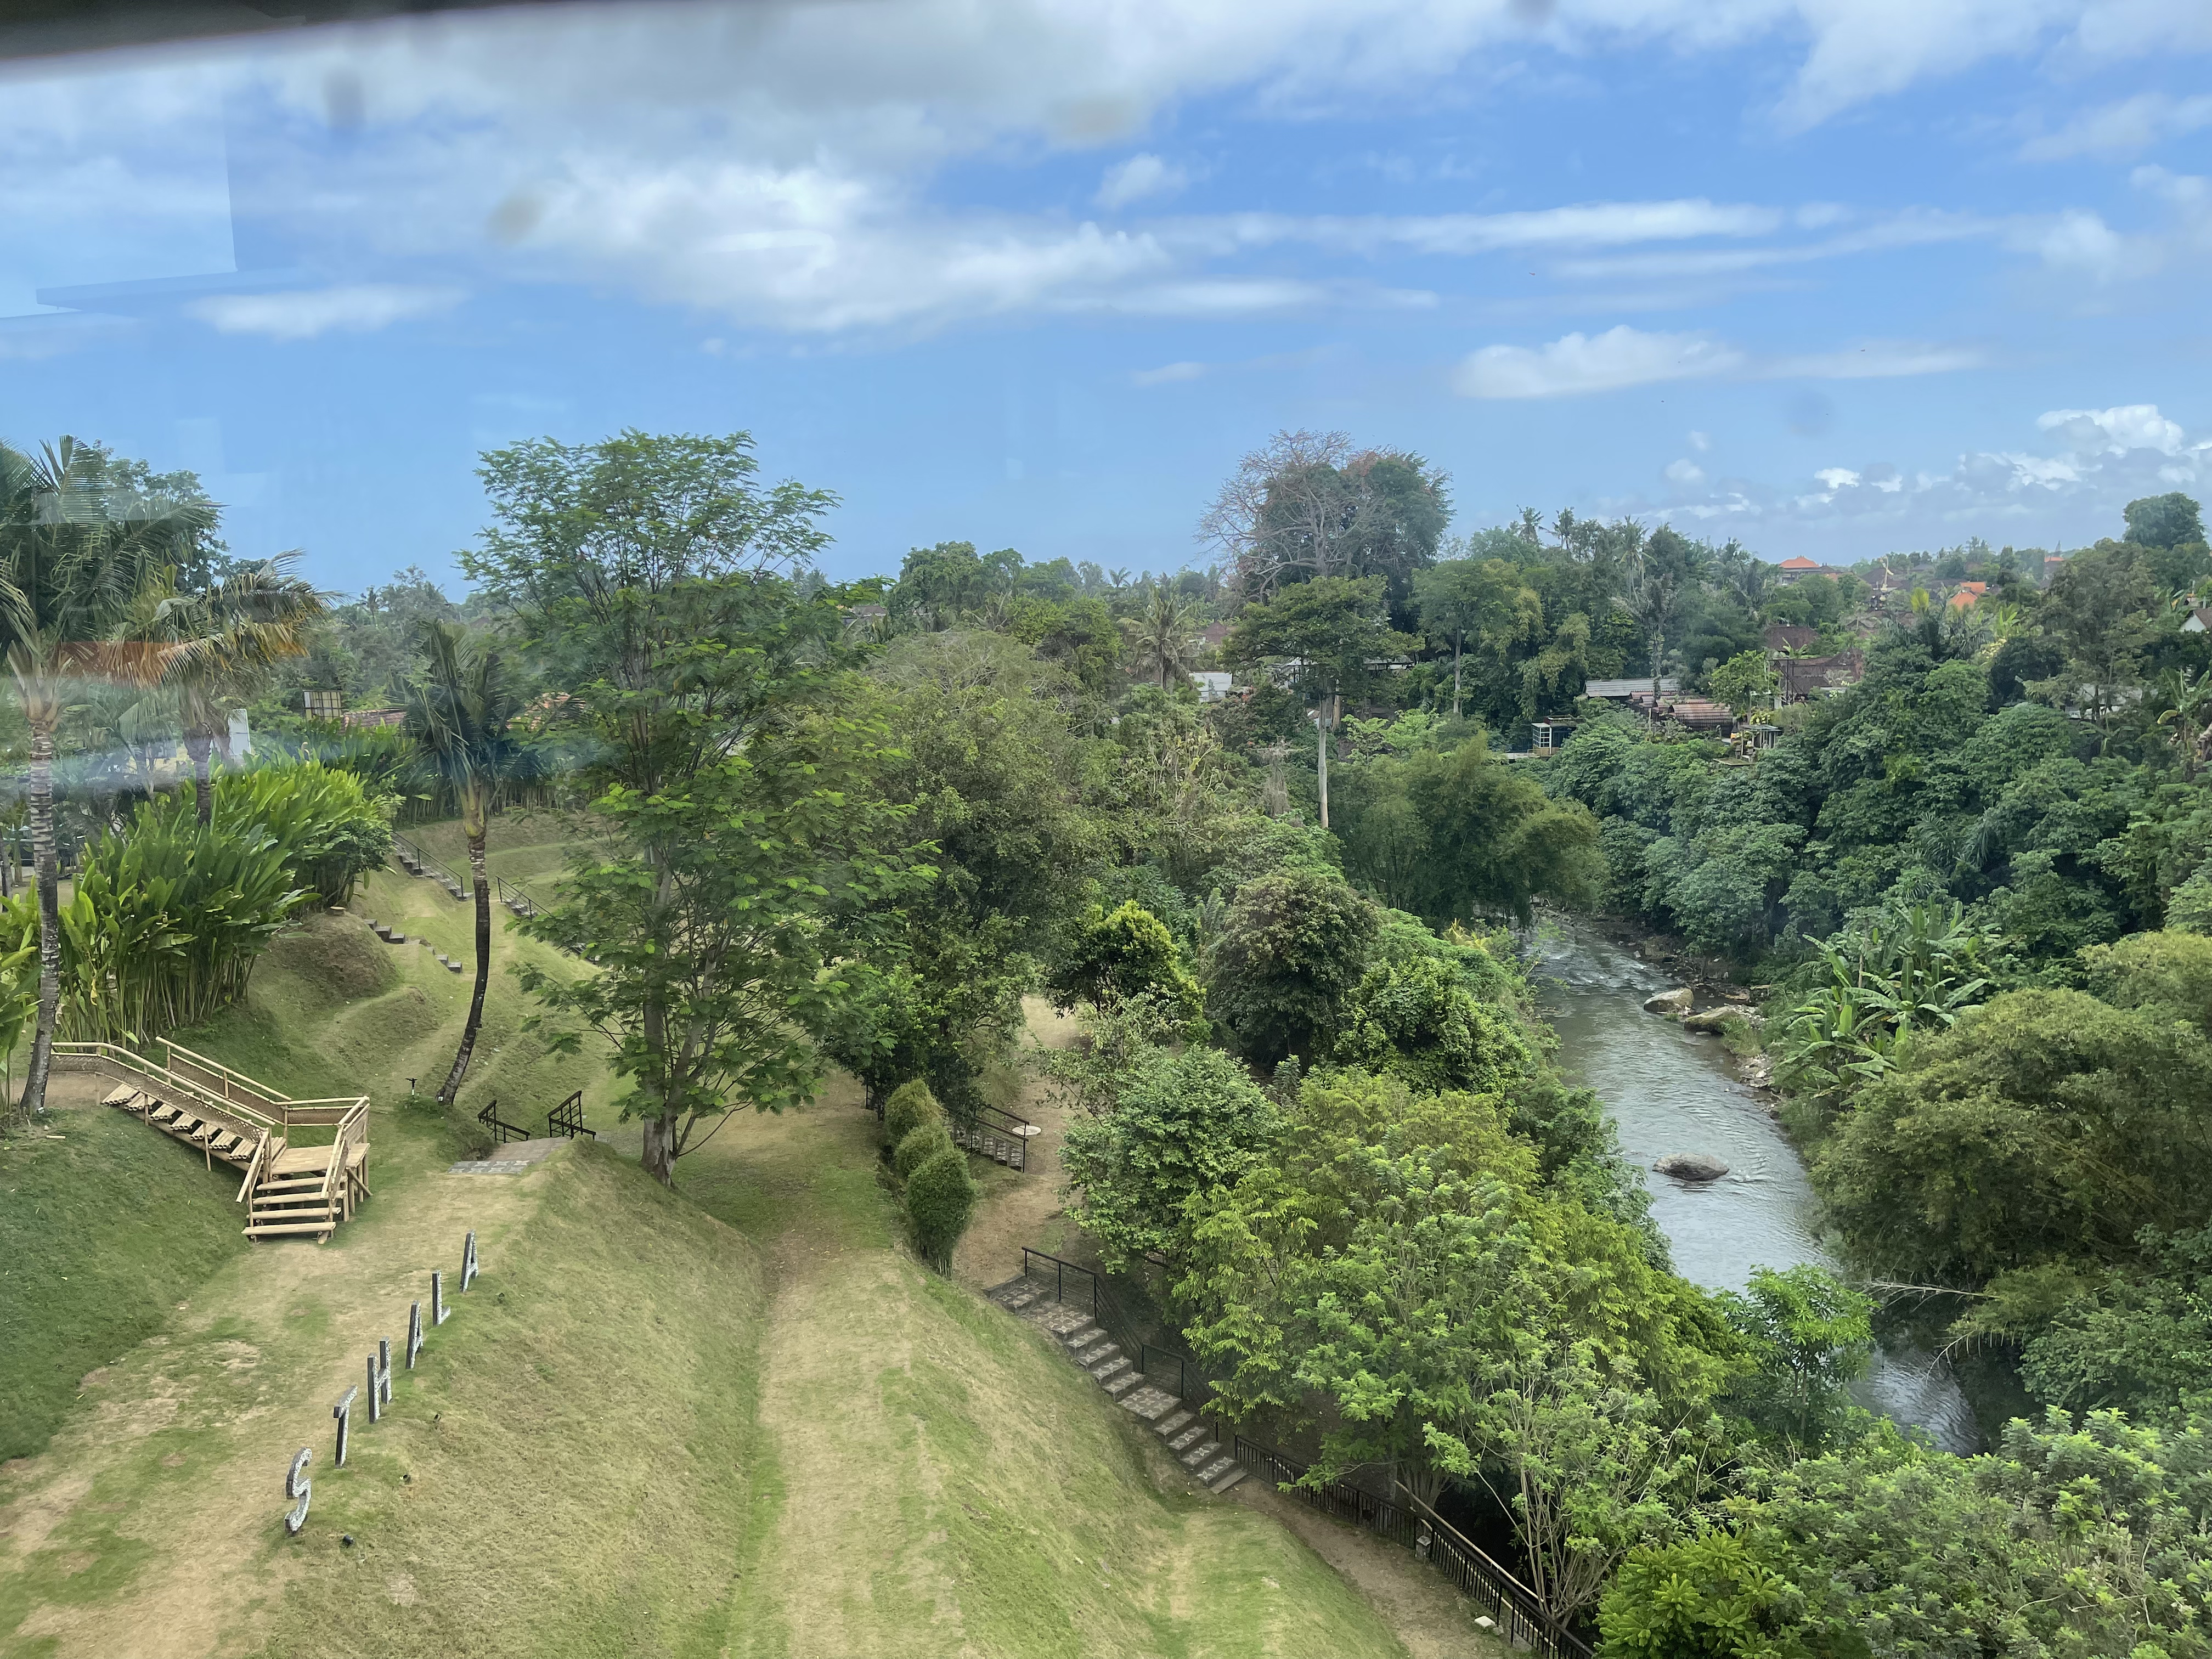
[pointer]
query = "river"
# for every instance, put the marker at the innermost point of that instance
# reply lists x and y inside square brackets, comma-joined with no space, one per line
[1673,1092]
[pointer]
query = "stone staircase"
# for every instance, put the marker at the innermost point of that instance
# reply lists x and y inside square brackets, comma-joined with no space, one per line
[1087,1343]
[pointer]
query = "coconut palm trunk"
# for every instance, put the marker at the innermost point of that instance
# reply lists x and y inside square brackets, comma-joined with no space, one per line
[201,748]
[40,707]
[472,825]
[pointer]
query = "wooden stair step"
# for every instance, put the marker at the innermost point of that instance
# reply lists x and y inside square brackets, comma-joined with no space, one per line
[264,1229]
[291,1184]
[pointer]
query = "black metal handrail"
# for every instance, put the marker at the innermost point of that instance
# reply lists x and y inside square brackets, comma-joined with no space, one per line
[515,897]
[1001,1135]
[568,1118]
[501,1130]
[415,861]
[1404,1519]
[1156,1362]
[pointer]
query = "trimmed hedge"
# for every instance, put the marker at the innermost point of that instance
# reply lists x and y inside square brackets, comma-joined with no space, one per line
[940,1198]
[911,1105]
[920,1146]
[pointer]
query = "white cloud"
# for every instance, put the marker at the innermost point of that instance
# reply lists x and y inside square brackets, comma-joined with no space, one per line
[1139,179]
[1168,374]
[1582,225]
[2115,431]
[1623,356]
[1700,441]
[2123,129]
[1684,471]
[2102,459]
[303,314]
[771,162]
[1877,360]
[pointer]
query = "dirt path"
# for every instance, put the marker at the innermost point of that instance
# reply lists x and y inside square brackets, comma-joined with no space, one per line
[1434,1620]
[1022,1208]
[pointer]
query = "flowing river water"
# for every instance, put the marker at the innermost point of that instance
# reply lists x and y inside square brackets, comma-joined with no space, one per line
[1671,1091]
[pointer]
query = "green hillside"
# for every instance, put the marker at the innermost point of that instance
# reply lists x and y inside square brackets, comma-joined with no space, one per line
[737,1419]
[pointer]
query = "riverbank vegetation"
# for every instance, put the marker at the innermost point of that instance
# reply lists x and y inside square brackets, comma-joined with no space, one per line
[1318,1121]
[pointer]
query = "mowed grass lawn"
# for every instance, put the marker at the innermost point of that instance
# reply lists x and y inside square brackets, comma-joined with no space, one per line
[735,1419]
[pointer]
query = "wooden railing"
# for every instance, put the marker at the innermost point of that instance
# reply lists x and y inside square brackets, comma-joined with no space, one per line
[232,1085]
[252,1109]
[352,1128]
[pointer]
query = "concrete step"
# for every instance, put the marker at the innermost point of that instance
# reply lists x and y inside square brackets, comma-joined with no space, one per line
[1085,1337]
[1060,1319]
[1174,1423]
[1186,1437]
[1148,1402]
[1225,1480]
[1114,1367]
[1121,1382]
[1095,1353]
[1203,1453]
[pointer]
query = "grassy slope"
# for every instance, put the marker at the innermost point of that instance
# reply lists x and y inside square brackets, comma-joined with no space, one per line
[935,1479]
[622,1444]
[104,1228]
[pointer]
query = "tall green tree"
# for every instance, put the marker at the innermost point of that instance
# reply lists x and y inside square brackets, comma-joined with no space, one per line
[633,568]
[717,930]
[1311,505]
[1486,599]
[1333,635]
[74,555]
[462,711]
[1662,577]
[644,573]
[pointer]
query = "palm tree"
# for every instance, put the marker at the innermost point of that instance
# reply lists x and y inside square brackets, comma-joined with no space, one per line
[227,639]
[1162,632]
[74,554]
[2189,711]
[1662,575]
[459,711]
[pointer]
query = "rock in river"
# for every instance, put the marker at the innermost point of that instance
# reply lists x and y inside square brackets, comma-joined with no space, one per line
[1676,1001]
[1692,1166]
[1711,1023]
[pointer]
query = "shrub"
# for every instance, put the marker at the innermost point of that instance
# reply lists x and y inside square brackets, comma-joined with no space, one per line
[911,1105]
[164,926]
[940,1197]
[329,826]
[920,1145]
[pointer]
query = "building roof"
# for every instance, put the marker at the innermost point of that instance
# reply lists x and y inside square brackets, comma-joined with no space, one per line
[1801,562]
[1968,593]
[1618,689]
[1785,636]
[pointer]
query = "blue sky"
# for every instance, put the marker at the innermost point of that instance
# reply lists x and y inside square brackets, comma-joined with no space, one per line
[1836,276]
